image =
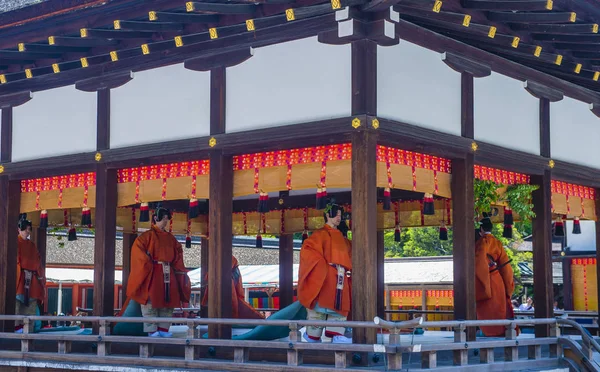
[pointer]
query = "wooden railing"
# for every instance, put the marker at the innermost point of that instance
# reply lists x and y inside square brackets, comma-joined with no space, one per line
[200,353]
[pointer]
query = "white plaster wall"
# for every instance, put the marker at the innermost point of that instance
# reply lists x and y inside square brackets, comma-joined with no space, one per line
[54,122]
[506,114]
[574,133]
[163,104]
[289,83]
[416,87]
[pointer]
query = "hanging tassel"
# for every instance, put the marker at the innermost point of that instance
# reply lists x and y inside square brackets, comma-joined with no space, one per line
[194,210]
[443,232]
[188,242]
[86,217]
[576,226]
[259,241]
[72,234]
[428,207]
[321,198]
[397,234]
[44,219]
[508,232]
[304,236]
[559,228]
[265,202]
[144,212]
[508,216]
[387,199]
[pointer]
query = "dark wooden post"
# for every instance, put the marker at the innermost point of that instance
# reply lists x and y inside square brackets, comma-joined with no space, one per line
[380,275]
[220,241]
[567,286]
[128,239]
[203,271]
[597,245]
[9,216]
[286,270]
[364,233]
[463,240]
[542,251]
[104,241]
[39,237]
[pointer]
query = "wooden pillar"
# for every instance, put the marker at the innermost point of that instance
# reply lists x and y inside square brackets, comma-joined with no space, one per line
[380,275]
[6,124]
[128,239]
[10,198]
[543,291]
[364,233]
[567,286]
[286,270]
[203,271]
[463,240]
[220,241]
[104,241]
[39,237]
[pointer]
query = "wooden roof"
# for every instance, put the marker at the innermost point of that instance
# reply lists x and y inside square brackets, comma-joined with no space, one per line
[87,38]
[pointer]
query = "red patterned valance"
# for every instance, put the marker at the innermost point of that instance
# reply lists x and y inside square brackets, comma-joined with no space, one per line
[154,172]
[413,159]
[58,182]
[583,261]
[292,157]
[570,189]
[500,176]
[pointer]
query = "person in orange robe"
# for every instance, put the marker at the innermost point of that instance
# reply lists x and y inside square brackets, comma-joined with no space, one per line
[240,309]
[158,276]
[324,277]
[494,284]
[31,283]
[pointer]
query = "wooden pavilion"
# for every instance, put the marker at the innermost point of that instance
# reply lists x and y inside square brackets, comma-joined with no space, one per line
[110,105]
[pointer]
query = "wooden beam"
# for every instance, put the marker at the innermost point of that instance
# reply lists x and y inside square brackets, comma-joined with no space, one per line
[52,49]
[463,229]
[226,59]
[380,274]
[148,26]
[14,100]
[204,259]
[10,194]
[364,77]
[103,120]
[220,242]
[537,17]
[464,65]
[128,240]
[104,240]
[221,8]
[93,33]
[6,130]
[104,82]
[566,28]
[286,270]
[186,17]
[364,233]
[467,105]
[523,5]
[545,149]
[218,100]
[542,92]
[542,255]
[82,42]
[571,39]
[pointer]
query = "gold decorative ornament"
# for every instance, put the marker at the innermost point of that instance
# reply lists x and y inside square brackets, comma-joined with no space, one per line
[114,56]
[213,33]
[336,4]
[152,16]
[117,25]
[549,5]
[515,42]
[538,51]
[98,156]
[595,28]
[375,123]
[355,123]
[55,68]
[492,32]
[280,201]
[21,47]
[84,62]
[250,25]
[178,41]
[437,6]
[578,68]
[212,142]
[1,168]
[83,32]
[558,60]
[2,79]
[51,40]
[145,49]
[596,75]
[474,146]
[466,20]
[28,73]
[289,15]
[189,6]
[551,163]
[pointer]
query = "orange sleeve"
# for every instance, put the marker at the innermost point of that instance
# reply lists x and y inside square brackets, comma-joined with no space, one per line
[141,267]
[313,269]
[506,271]
[178,264]
[483,290]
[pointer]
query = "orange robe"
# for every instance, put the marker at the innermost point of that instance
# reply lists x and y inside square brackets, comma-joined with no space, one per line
[240,309]
[146,277]
[317,278]
[494,284]
[28,258]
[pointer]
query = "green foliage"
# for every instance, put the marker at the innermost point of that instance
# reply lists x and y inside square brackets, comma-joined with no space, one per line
[417,242]
[486,195]
[519,200]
